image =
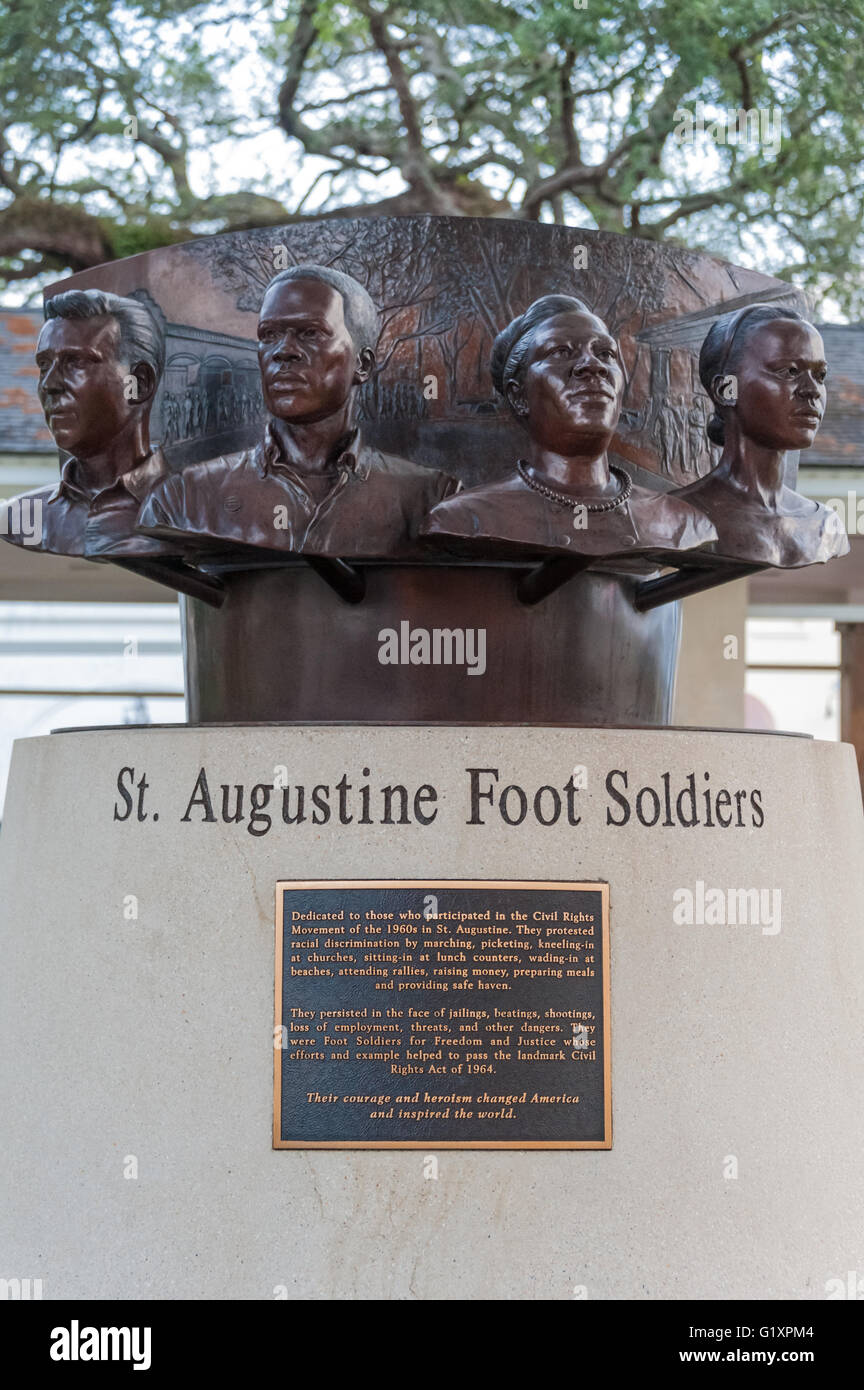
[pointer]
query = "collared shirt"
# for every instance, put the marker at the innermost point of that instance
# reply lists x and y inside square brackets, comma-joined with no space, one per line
[77,521]
[350,455]
[366,503]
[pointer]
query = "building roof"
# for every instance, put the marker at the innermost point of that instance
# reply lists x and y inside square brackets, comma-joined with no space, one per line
[840,441]
[22,424]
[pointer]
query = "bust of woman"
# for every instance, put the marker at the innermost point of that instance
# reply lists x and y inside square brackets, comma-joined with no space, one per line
[764,369]
[560,371]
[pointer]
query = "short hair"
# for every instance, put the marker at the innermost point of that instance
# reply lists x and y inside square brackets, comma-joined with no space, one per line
[141,337]
[510,348]
[361,316]
[725,342]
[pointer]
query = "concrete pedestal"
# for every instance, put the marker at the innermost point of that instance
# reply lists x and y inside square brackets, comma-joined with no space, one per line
[136,1055]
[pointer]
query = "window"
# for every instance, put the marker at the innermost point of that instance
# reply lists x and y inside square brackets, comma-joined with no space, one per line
[793,675]
[67,665]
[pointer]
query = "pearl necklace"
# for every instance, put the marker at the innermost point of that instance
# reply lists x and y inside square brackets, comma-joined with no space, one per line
[564,500]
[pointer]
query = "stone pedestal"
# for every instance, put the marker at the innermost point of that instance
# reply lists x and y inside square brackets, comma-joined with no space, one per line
[137,1003]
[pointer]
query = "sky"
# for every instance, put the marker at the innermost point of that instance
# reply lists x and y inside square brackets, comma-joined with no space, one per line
[280,169]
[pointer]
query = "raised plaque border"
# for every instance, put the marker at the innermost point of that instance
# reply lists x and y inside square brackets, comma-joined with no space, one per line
[425,1144]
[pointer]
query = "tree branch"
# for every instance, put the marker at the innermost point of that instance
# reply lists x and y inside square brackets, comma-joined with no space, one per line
[57,230]
[415,165]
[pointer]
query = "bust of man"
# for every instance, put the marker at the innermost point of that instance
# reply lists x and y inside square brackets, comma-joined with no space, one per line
[560,371]
[100,360]
[312,485]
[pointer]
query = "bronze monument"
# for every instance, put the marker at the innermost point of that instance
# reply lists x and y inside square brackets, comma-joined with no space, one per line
[312,485]
[376,397]
[764,369]
[561,373]
[100,359]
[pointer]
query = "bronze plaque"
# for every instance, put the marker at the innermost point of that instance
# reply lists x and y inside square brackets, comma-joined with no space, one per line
[429,1014]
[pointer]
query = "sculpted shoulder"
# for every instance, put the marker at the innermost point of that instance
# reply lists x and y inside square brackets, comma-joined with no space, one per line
[509,512]
[798,532]
[668,520]
[36,494]
[475,510]
[24,519]
[835,541]
[191,500]
[431,480]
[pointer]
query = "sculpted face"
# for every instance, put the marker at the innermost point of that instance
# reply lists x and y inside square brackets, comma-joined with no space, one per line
[82,383]
[781,385]
[309,365]
[572,384]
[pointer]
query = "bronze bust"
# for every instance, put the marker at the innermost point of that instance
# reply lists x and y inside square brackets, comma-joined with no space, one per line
[764,369]
[312,485]
[100,360]
[561,373]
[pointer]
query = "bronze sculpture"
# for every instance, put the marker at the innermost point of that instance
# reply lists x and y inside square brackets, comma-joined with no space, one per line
[100,359]
[764,369]
[311,492]
[312,486]
[561,373]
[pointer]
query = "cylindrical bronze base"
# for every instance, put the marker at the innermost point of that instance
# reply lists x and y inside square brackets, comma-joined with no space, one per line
[285,647]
